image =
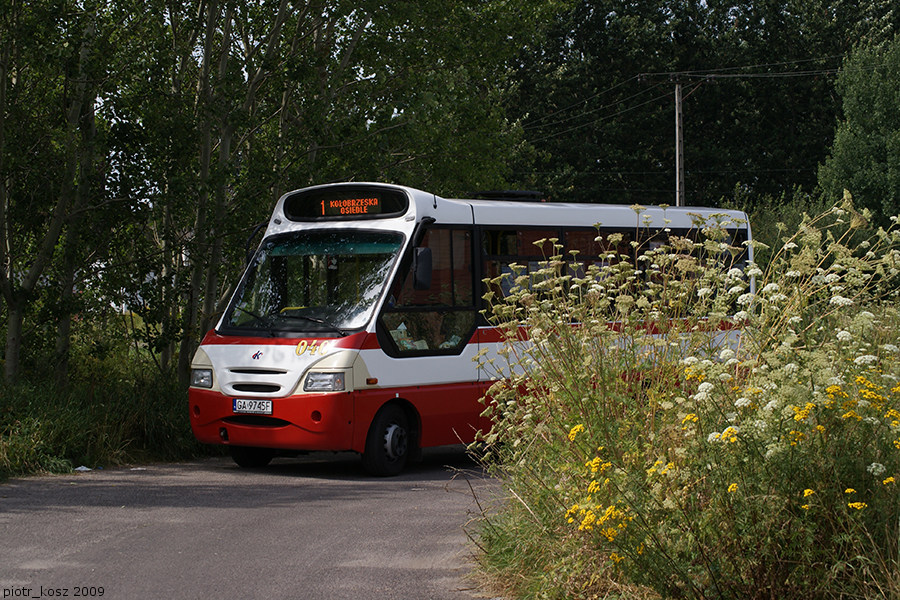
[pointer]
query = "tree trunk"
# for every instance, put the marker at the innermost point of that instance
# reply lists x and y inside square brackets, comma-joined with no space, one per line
[13,331]
[79,184]
[197,256]
[64,324]
[14,322]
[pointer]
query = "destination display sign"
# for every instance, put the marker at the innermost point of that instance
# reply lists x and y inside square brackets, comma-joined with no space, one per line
[351,206]
[346,202]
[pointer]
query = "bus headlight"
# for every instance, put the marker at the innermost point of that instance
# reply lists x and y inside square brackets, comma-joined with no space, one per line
[201,378]
[324,382]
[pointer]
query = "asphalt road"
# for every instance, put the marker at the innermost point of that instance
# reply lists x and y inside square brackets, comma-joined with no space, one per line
[314,527]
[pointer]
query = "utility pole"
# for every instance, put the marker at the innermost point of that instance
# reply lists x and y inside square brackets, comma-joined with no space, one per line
[679,149]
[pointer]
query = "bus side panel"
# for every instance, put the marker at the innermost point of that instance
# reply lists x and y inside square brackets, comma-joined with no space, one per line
[301,422]
[449,413]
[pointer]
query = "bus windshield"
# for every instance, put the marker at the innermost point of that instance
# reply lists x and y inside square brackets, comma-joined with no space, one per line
[322,282]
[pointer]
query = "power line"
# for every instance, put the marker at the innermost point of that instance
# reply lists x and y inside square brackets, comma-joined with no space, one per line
[725,70]
[528,124]
[762,75]
[716,74]
[704,74]
[603,118]
[593,110]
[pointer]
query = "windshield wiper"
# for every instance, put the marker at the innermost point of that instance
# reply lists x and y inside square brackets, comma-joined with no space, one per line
[331,326]
[264,321]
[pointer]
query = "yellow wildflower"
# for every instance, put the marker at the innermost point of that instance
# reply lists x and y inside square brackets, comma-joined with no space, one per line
[587,523]
[849,491]
[732,488]
[808,492]
[888,481]
[801,414]
[861,380]
[729,435]
[835,391]
[857,505]
[596,465]
[694,373]
[575,431]
[872,396]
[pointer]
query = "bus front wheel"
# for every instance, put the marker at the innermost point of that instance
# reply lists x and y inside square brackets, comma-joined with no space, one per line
[252,458]
[388,442]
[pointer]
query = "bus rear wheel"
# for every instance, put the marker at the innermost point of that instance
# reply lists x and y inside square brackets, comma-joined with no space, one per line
[252,458]
[388,442]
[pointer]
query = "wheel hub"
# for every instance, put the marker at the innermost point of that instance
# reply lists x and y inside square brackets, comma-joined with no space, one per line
[395,442]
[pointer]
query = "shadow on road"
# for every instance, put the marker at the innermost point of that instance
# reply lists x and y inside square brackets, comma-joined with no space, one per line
[435,465]
[219,483]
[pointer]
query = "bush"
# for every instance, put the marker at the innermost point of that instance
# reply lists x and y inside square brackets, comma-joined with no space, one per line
[43,429]
[718,441]
[775,217]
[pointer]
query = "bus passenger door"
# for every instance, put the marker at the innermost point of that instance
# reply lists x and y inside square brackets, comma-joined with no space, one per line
[428,332]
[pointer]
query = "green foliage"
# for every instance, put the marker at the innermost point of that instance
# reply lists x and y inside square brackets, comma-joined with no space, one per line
[140,142]
[104,423]
[865,156]
[596,96]
[117,407]
[774,217]
[692,437]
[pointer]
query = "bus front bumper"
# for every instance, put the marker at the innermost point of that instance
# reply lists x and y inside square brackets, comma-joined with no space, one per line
[303,422]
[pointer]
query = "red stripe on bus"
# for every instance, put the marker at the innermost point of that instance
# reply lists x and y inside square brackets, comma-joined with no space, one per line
[493,335]
[354,341]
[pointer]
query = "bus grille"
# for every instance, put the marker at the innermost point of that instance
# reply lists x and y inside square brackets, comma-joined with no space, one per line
[259,388]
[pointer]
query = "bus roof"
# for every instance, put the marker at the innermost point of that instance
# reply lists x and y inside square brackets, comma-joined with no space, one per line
[498,212]
[506,212]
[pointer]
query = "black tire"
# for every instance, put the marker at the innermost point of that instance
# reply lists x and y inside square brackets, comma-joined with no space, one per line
[252,458]
[388,444]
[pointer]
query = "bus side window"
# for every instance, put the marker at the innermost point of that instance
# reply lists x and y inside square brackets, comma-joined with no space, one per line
[529,248]
[440,319]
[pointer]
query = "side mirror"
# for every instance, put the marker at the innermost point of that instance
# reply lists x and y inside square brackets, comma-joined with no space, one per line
[421,268]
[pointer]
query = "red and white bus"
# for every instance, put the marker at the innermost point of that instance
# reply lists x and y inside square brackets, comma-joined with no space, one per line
[356,324]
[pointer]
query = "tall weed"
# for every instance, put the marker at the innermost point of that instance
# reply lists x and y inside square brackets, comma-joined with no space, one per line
[670,430]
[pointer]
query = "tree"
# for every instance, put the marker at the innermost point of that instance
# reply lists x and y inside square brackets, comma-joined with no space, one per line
[596,98]
[865,156]
[140,144]
[48,95]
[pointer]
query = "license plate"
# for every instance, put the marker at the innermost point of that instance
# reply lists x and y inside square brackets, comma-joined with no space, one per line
[252,407]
